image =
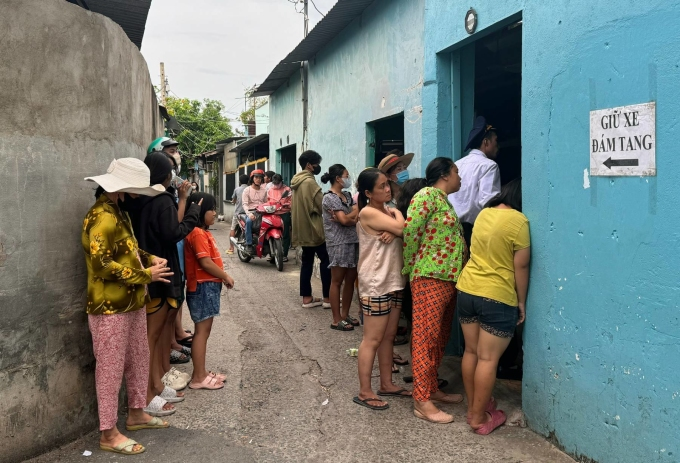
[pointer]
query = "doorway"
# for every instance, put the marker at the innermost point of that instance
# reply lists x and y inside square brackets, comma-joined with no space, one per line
[383,136]
[498,93]
[288,161]
[498,97]
[487,81]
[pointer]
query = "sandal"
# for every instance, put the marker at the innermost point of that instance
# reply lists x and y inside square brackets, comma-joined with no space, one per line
[178,357]
[398,359]
[219,376]
[343,325]
[155,423]
[210,382]
[497,419]
[352,320]
[397,393]
[315,302]
[439,418]
[170,395]
[365,403]
[230,251]
[186,351]
[395,369]
[155,407]
[123,448]
[186,342]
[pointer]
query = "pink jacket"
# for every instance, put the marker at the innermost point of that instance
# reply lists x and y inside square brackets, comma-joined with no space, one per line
[274,195]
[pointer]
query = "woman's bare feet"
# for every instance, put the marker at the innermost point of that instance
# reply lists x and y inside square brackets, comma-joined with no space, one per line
[442,397]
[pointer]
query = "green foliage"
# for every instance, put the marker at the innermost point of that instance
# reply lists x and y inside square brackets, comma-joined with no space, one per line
[214,183]
[202,124]
[249,114]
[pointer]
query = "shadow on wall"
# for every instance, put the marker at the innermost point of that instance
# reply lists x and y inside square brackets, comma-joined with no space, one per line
[73,99]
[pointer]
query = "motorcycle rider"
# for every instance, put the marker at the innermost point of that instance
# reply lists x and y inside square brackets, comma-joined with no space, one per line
[254,195]
[275,194]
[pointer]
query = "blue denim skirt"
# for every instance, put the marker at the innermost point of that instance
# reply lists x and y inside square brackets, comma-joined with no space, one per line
[204,303]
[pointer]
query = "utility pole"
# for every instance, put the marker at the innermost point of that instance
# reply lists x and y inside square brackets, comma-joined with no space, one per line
[306,13]
[164,83]
[304,74]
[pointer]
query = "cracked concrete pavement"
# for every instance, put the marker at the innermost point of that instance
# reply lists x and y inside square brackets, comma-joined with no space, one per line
[283,363]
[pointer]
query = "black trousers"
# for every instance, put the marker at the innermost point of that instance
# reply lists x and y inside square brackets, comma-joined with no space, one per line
[307,269]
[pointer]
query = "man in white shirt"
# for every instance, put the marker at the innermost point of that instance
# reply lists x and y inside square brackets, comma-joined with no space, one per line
[480,177]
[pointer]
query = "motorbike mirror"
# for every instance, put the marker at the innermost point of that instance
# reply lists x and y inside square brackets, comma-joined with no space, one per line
[285,194]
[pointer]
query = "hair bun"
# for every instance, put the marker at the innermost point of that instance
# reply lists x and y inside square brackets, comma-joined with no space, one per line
[325,178]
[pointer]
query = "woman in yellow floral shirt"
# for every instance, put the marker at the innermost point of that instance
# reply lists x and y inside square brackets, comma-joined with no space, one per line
[116,280]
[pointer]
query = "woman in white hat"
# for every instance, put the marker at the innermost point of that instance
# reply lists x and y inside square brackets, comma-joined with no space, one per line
[116,291]
[395,165]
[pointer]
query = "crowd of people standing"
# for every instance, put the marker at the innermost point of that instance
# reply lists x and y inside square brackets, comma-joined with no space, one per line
[147,247]
[402,244]
[408,244]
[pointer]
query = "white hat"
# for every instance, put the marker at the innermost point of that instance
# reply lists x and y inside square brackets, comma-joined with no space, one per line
[127,175]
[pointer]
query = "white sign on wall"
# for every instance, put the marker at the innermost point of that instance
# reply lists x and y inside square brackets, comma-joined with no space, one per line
[623,141]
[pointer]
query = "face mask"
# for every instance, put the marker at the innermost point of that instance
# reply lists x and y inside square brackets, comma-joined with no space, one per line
[317,170]
[402,177]
[125,205]
[346,183]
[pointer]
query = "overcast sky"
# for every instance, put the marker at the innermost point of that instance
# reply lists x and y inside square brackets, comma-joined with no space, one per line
[216,48]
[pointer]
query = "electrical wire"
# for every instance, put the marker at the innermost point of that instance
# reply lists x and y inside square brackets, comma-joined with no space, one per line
[317,10]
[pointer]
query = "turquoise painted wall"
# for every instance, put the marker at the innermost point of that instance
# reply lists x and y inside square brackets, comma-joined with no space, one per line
[602,338]
[372,70]
[285,119]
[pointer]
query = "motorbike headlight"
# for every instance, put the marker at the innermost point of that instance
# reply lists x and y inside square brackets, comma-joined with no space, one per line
[270,209]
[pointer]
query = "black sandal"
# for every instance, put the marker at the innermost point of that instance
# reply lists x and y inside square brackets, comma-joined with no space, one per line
[343,325]
[365,403]
[186,342]
[352,320]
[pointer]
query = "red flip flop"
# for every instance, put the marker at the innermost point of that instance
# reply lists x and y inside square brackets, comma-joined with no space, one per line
[497,419]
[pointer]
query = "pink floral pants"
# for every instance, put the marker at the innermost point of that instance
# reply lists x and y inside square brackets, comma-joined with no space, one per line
[120,349]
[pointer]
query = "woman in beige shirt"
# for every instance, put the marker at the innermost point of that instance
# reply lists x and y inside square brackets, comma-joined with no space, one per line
[381,285]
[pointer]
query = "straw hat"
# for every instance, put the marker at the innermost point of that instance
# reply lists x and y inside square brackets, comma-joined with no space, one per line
[392,160]
[127,175]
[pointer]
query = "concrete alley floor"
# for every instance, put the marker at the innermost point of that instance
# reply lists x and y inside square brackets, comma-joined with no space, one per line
[288,396]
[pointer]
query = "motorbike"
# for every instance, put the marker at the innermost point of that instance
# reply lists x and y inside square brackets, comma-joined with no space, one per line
[267,233]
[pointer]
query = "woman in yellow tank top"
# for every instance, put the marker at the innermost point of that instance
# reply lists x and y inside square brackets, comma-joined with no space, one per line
[492,293]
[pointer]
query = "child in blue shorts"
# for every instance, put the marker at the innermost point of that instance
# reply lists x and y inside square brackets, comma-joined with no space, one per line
[205,277]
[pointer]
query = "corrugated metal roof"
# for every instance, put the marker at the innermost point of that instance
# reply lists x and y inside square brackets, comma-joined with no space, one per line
[337,19]
[252,142]
[129,14]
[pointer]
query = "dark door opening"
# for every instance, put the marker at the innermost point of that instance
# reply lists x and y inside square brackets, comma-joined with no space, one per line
[498,93]
[387,135]
[288,156]
[498,97]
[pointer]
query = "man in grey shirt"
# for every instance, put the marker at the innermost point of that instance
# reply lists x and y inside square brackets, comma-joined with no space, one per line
[236,198]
